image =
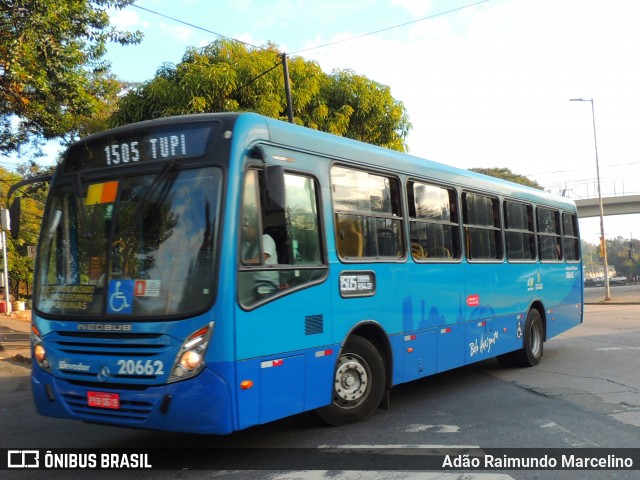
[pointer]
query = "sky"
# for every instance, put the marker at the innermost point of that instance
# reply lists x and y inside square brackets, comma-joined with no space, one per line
[485,83]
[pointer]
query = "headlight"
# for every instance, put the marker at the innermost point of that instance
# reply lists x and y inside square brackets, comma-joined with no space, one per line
[39,352]
[190,359]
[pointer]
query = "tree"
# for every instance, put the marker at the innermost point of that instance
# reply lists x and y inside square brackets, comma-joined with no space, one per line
[52,72]
[227,76]
[507,174]
[21,266]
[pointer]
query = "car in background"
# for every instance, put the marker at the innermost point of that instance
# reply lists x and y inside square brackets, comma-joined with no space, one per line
[593,282]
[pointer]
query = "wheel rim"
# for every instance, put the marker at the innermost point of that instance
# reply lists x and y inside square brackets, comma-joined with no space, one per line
[352,381]
[535,339]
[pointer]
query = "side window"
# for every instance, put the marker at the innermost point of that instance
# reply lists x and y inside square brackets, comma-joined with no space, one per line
[481,218]
[367,214]
[549,240]
[435,231]
[282,250]
[570,240]
[519,231]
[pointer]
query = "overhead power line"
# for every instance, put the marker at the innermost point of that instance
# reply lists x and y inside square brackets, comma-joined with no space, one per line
[390,28]
[193,25]
[318,46]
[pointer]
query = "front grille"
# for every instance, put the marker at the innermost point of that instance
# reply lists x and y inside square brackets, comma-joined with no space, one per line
[124,344]
[110,358]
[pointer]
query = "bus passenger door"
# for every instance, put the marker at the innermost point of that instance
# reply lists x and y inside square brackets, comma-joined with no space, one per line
[282,319]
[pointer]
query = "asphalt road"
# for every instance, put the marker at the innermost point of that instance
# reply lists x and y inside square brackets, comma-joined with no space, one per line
[584,394]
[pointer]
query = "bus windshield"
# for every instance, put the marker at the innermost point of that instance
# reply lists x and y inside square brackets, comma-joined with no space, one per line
[140,246]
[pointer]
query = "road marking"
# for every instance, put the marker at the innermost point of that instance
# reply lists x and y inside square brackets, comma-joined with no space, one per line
[390,448]
[567,435]
[602,349]
[383,475]
[434,428]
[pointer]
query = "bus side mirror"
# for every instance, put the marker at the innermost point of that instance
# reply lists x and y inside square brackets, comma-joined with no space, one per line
[15,211]
[274,177]
[16,206]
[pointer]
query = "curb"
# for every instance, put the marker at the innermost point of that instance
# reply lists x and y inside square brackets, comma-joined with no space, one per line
[602,302]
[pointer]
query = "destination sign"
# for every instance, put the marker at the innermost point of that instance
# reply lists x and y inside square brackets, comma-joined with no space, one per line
[162,143]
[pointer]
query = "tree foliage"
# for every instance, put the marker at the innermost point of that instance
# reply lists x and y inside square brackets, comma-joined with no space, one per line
[21,267]
[227,76]
[507,174]
[53,76]
[623,256]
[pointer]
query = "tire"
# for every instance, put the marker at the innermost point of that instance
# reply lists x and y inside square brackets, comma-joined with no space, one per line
[359,382]
[532,349]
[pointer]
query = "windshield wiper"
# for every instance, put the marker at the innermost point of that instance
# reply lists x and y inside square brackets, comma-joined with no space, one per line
[160,177]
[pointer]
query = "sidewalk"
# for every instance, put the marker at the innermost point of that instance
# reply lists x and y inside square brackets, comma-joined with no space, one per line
[15,330]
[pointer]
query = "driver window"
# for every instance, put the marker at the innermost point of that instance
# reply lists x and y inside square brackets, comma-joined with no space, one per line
[279,251]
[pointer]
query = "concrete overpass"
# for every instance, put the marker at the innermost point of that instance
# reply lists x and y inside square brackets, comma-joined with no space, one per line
[622,205]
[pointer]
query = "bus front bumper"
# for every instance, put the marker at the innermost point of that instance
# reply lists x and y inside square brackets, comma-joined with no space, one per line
[198,405]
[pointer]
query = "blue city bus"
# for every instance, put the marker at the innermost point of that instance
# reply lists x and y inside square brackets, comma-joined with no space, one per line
[211,272]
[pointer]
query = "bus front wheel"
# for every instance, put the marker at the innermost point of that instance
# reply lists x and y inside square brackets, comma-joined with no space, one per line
[358,383]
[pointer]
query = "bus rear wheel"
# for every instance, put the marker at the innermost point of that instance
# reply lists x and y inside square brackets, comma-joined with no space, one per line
[358,384]
[531,352]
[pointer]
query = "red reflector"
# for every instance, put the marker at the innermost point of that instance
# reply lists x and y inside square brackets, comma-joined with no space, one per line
[199,333]
[277,363]
[324,353]
[445,330]
[103,400]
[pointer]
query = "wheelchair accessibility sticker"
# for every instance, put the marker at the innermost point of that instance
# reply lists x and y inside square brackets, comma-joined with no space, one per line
[120,296]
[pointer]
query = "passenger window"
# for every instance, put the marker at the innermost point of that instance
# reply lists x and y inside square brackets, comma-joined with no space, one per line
[549,240]
[435,231]
[481,218]
[519,231]
[570,240]
[288,253]
[367,214]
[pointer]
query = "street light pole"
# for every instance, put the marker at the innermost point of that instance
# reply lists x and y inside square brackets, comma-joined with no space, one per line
[607,291]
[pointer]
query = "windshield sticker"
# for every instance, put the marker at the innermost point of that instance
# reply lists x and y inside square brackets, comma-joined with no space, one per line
[69,297]
[120,297]
[102,193]
[147,288]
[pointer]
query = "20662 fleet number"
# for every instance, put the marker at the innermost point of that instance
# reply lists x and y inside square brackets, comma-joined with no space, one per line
[140,367]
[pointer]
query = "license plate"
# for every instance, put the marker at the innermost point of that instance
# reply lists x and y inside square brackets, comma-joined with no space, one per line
[103,400]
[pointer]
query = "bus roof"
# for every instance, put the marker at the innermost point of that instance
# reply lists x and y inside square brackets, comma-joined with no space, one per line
[341,148]
[261,128]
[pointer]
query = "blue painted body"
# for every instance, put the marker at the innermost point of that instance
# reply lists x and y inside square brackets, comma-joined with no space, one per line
[436,316]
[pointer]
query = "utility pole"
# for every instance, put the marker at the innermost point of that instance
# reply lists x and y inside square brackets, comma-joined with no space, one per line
[603,240]
[6,225]
[287,87]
